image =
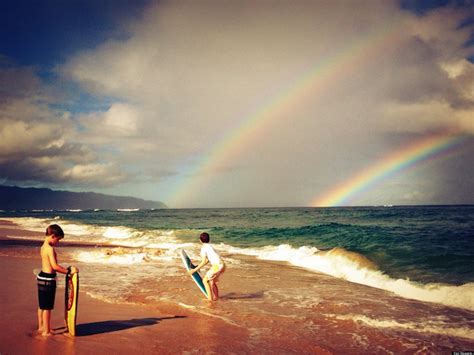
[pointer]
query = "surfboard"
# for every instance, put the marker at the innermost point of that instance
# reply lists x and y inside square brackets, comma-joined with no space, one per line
[196,276]
[70,303]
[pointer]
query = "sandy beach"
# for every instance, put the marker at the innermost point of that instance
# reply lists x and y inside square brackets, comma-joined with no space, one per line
[102,327]
[325,325]
[109,328]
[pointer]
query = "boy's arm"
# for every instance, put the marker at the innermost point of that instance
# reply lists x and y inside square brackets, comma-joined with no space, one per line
[54,264]
[201,264]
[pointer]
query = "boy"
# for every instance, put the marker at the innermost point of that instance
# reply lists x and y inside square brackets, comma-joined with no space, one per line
[209,255]
[46,279]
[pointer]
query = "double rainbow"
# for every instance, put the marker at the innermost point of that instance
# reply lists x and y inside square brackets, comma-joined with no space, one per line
[324,75]
[430,147]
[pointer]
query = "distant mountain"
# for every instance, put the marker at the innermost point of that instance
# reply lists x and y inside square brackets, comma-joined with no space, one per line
[18,198]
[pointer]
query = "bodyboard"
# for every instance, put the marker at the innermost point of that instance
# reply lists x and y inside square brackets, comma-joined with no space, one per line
[70,302]
[196,276]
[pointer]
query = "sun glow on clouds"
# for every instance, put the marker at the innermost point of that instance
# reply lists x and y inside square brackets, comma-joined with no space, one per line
[90,172]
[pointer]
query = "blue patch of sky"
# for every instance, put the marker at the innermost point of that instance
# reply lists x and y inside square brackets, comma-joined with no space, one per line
[470,43]
[44,33]
[77,100]
[469,22]
[421,7]
[83,103]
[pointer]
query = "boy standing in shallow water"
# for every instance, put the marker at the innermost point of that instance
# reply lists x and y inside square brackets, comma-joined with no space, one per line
[209,255]
[46,279]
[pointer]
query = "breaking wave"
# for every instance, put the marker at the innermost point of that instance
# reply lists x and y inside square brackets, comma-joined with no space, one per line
[356,268]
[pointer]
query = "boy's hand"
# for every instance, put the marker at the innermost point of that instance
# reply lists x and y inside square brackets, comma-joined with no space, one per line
[191,271]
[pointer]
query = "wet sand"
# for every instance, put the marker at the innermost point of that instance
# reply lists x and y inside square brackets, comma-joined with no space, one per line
[252,317]
[103,327]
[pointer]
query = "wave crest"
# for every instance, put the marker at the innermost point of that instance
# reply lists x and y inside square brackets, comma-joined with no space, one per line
[354,267]
[358,259]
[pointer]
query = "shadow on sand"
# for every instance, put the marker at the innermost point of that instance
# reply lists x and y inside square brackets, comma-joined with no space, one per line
[240,296]
[116,325]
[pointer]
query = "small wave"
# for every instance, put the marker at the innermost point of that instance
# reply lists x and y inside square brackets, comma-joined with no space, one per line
[78,232]
[122,256]
[107,257]
[31,224]
[78,229]
[356,258]
[153,239]
[432,327]
[118,233]
[128,209]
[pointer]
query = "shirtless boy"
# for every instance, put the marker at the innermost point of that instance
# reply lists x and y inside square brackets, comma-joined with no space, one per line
[46,279]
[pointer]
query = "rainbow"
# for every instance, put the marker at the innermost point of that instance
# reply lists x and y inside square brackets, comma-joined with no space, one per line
[425,148]
[319,79]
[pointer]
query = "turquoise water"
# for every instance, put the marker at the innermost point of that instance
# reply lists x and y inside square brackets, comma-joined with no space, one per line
[427,244]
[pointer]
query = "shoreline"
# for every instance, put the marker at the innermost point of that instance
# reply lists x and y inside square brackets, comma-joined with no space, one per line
[101,326]
[119,328]
[104,327]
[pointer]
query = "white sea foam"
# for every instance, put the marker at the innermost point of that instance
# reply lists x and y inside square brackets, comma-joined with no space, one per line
[117,233]
[78,229]
[355,268]
[427,326]
[73,231]
[31,224]
[102,257]
[154,239]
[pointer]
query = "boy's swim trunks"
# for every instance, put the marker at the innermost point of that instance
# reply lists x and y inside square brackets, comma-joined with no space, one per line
[46,290]
[215,271]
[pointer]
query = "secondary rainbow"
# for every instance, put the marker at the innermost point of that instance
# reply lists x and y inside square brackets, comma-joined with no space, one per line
[425,148]
[320,78]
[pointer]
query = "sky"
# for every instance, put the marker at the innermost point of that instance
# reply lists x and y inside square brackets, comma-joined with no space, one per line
[240,103]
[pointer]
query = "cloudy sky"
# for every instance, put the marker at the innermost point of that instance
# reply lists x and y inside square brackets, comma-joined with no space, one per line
[237,103]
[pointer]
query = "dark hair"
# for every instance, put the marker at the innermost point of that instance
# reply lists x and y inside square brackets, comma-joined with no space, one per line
[204,237]
[55,230]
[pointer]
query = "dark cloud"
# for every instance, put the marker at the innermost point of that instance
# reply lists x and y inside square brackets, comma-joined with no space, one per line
[37,142]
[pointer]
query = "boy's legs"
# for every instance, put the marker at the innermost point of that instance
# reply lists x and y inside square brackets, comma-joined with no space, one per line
[215,290]
[46,321]
[211,278]
[207,285]
[40,320]
[46,295]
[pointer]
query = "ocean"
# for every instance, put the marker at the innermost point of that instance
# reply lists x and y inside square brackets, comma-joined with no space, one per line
[397,270]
